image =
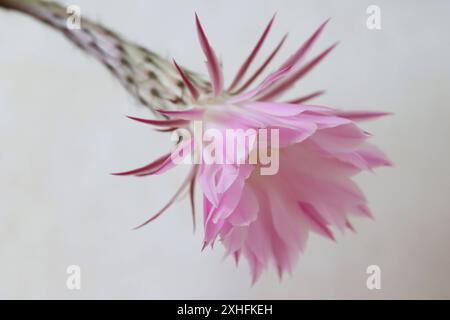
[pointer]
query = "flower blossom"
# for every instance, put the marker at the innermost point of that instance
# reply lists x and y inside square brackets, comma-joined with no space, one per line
[267,218]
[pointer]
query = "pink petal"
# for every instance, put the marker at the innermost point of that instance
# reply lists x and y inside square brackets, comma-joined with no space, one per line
[301,52]
[318,222]
[228,175]
[184,148]
[192,197]
[207,179]
[192,89]
[262,67]
[247,209]
[322,121]
[162,123]
[207,206]
[267,83]
[275,108]
[228,201]
[291,226]
[364,211]
[236,256]
[350,226]
[186,114]
[153,166]
[294,59]
[373,156]
[214,69]
[235,239]
[256,267]
[252,56]
[307,97]
[289,136]
[341,138]
[361,115]
[286,84]
[212,229]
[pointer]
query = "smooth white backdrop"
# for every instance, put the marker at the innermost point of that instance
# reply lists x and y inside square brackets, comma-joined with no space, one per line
[63,130]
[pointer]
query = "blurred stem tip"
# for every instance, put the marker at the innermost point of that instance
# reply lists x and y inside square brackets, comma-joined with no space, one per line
[150,78]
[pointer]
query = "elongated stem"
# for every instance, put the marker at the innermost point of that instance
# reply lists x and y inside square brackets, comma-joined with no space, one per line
[153,80]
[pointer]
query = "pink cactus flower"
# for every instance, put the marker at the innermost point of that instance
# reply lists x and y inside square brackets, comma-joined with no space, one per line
[267,218]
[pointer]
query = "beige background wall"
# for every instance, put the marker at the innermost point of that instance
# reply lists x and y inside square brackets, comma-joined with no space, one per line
[62,130]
